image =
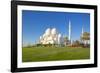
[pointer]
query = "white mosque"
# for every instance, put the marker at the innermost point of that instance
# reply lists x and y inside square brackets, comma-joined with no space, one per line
[52,36]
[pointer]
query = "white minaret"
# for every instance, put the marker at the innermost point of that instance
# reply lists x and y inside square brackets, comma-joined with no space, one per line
[82,34]
[82,31]
[69,37]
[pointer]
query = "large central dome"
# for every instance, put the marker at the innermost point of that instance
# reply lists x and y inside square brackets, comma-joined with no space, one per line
[54,31]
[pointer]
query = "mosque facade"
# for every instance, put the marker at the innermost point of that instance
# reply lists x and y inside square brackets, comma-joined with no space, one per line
[52,36]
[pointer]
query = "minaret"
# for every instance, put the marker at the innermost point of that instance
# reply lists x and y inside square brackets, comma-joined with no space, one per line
[82,34]
[82,31]
[69,37]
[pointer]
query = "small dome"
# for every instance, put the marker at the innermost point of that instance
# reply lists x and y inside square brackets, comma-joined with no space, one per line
[40,37]
[44,35]
[59,36]
[53,31]
[48,31]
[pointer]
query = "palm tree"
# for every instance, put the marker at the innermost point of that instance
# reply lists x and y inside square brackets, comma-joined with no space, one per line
[85,38]
[65,40]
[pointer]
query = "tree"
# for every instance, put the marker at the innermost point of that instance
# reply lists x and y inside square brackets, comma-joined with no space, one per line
[65,40]
[85,38]
[76,43]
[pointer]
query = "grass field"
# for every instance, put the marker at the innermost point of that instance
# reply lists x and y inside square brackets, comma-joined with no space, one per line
[34,54]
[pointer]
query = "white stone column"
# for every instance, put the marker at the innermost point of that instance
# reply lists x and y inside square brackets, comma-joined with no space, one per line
[69,37]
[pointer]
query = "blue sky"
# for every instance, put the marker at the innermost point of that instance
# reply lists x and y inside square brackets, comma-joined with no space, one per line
[34,24]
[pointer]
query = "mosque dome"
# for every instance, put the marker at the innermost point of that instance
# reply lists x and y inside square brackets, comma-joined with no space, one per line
[59,36]
[54,31]
[51,36]
[47,32]
[43,35]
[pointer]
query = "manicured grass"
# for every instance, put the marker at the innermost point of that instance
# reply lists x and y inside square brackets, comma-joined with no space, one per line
[34,54]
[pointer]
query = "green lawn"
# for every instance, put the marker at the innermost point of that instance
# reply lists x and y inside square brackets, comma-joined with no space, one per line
[34,54]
